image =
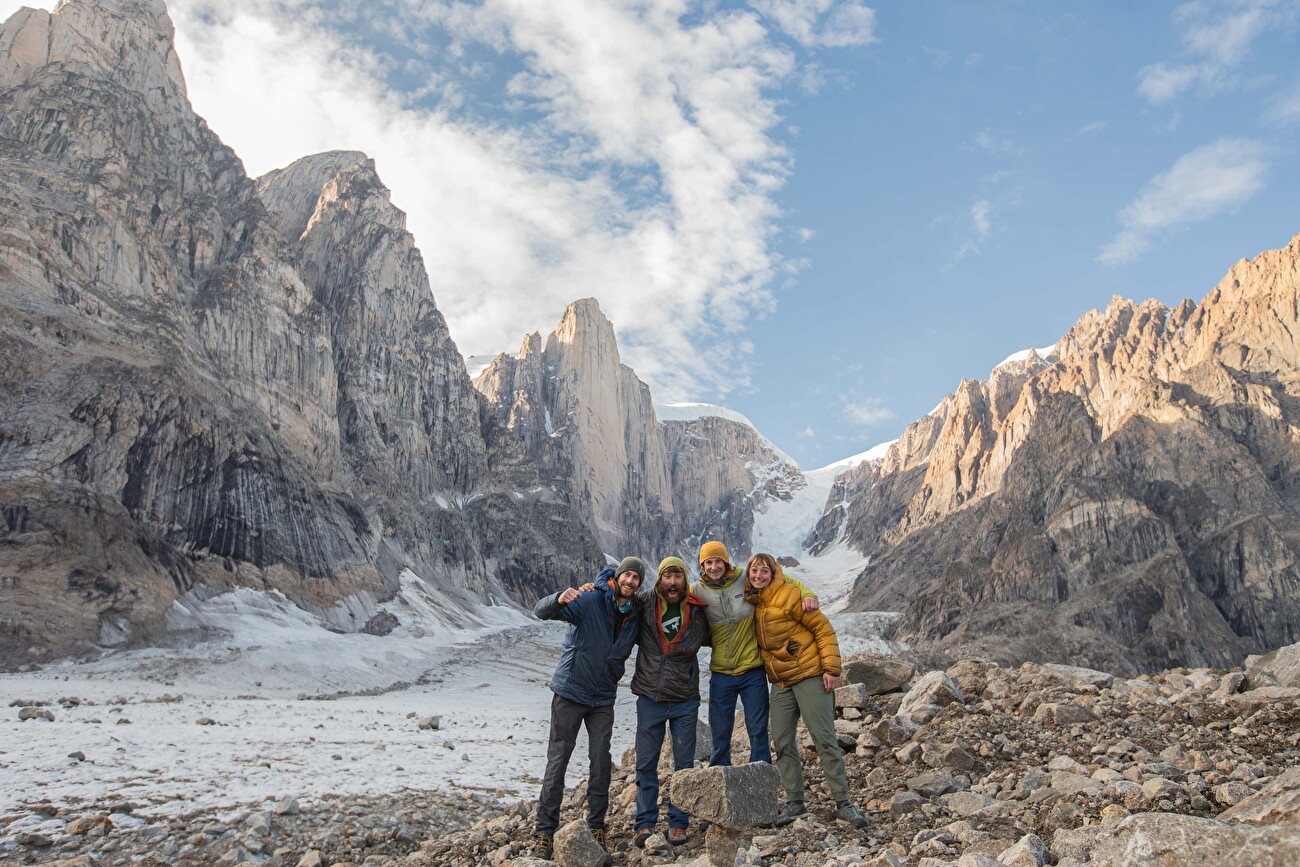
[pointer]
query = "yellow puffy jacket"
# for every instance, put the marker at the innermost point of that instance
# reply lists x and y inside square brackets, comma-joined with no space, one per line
[731,621]
[795,644]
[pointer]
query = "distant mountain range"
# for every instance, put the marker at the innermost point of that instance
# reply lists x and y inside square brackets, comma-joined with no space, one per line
[209,381]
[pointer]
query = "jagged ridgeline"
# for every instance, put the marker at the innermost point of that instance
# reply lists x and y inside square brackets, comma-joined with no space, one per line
[1132,502]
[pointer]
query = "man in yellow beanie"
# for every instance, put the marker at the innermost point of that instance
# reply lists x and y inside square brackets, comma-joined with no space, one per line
[736,668]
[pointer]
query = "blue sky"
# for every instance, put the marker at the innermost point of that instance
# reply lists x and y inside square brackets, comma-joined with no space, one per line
[821,213]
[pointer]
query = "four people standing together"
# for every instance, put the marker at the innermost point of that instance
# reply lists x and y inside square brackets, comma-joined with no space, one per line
[789,643]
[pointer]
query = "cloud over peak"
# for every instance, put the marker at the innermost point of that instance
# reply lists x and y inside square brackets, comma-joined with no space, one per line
[545,151]
[1210,180]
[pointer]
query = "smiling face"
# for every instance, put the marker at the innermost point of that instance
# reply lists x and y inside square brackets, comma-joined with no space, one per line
[627,583]
[760,574]
[714,568]
[672,585]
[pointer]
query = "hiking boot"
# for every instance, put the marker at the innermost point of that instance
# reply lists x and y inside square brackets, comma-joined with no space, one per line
[544,845]
[678,837]
[641,835]
[601,837]
[848,812]
[791,811]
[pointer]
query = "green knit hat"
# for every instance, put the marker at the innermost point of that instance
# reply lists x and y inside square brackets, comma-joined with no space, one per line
[672,563]
[633,564]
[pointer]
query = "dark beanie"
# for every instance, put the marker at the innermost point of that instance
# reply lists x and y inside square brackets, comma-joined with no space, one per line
[634,564]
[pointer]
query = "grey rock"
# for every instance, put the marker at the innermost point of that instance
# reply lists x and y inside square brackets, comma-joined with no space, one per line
[904,802]
[931,784]
[1280,667]
[876,673]
[30,713]
[1278,801]
[931,693]
[722,845]
[740,797]
[969,804]
[1029,851]
[576,847]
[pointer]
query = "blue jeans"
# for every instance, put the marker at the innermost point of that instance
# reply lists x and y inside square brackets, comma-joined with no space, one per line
[751,687]
[651,716]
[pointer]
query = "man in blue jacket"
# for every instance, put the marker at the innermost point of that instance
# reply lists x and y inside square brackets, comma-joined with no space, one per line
[602,632]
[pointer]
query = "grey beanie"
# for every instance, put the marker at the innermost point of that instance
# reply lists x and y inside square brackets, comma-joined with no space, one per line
[634,564]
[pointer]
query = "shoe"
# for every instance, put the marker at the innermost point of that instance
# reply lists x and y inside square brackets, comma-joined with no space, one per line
[791,811]
[601,837]
[544,845]
[678,837]
[847,812]
[642,834]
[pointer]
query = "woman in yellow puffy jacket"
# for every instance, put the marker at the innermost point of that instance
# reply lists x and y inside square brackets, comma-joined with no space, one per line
[802,660]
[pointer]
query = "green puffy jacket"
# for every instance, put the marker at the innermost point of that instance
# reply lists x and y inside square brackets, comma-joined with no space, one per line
[731,621]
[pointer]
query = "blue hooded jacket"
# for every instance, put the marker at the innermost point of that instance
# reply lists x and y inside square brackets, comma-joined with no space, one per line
[598,643]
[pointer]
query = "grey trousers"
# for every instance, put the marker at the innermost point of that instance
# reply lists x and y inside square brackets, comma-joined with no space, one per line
[566,717]
[809,699]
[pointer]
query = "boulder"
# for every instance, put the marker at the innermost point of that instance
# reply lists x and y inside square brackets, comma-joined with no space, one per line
[576,847]
[931,694]
[740,797]
[1029,851]
[878,673]
[1279,801]
[1281,667]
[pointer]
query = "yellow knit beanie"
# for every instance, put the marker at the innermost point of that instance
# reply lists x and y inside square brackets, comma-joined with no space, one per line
[714,549]
[673,563]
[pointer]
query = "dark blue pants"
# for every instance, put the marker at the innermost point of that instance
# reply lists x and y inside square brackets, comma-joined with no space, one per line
[751,688]
[566,717]
[651,717]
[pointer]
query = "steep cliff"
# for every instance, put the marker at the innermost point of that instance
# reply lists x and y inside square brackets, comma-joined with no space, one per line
[208,385]
[644,485]
[1133,504]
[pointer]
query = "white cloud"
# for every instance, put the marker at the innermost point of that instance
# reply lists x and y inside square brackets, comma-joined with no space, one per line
[822,23]
[1285,108]
[981,218]
[630,156]
[1093,128]
[807,433]
[1201,184]
[995,143]
[1217,36]
[867,411]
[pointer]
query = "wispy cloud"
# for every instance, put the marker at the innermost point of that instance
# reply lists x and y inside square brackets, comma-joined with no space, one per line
[545,151]
[1093,128]
[867,411]
[981,218]
[822,23]
[1216,36]
[994,142]
[1285,108]
[1208,181]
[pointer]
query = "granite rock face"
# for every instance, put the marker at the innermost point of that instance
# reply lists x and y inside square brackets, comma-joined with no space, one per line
[642,484]
[213,383]
[1131,502]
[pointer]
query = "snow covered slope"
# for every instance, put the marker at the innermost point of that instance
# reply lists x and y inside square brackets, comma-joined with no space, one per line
[781,527]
